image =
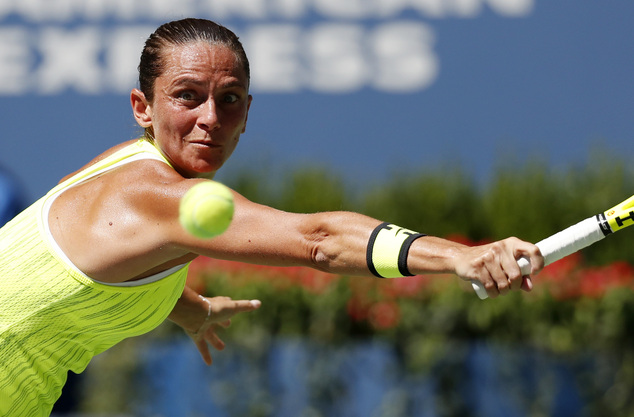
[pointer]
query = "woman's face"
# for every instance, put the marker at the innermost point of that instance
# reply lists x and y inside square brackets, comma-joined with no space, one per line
[200,107]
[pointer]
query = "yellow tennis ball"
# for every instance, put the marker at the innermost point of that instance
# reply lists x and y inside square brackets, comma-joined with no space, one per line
[206,209]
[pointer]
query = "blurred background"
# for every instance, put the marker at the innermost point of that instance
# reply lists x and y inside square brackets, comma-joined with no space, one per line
[469,119]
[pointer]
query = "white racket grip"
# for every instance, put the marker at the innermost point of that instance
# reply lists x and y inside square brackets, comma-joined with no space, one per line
[557,246]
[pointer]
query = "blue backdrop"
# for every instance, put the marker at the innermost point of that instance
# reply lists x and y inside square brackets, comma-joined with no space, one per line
[362,87]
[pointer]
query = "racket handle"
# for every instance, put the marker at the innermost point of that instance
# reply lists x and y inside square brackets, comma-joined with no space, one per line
[557,246]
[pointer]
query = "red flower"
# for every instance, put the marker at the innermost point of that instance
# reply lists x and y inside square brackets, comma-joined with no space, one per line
[406,287]
[358,308]
[563,268]
[596,281]
[385,315]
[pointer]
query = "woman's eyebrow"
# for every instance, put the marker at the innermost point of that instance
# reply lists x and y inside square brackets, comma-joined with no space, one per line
[186,80]
[233,83]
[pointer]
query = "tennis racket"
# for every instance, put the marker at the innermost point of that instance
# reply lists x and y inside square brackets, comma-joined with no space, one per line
[576,237]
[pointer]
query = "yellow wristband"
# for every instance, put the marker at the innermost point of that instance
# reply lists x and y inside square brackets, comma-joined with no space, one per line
[387,251]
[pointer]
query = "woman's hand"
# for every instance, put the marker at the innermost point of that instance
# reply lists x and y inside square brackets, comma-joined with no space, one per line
[203,316]
[495,265]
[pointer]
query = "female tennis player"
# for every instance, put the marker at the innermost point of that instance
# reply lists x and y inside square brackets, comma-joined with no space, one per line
[102,256]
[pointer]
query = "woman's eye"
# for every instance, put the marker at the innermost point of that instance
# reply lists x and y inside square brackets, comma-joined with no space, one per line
[230,98]
[187,96]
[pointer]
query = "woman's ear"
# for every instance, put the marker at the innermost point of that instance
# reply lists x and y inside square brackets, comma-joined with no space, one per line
[141,108]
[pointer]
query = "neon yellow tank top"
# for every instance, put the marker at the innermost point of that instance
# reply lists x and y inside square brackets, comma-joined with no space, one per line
[53,318]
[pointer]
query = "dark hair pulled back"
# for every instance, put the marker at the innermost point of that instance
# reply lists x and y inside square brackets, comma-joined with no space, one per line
[181,32]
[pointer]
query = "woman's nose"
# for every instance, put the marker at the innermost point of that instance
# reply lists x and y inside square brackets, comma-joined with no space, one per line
[208,119]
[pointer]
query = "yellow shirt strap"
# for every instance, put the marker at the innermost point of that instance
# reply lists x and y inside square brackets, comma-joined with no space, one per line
[387,251]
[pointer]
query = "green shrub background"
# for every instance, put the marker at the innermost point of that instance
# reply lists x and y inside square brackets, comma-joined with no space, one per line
[582,307]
